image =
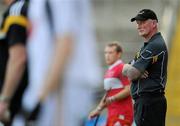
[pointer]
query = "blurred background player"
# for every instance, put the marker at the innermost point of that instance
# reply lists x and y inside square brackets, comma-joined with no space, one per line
[117,100]
[64,67]
[13,68]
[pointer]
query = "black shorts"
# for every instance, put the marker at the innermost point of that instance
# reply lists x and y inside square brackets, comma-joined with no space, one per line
[150,111]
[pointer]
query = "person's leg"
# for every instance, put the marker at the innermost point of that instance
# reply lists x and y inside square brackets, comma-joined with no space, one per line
[157,112]
[138,112]
[150,112]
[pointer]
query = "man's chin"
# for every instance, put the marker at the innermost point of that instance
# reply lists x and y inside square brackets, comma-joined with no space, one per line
[108,63]
[141,34]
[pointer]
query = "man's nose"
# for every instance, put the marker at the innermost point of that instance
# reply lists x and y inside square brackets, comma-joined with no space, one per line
[138,26]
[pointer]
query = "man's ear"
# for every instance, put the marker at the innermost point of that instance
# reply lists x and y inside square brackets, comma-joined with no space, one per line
[154,23]
[120,54]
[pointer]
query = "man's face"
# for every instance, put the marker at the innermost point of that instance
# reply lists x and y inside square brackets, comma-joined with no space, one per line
[145,27]
[111,55]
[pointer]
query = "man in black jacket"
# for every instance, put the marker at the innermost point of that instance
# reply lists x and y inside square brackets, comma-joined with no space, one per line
[148,72]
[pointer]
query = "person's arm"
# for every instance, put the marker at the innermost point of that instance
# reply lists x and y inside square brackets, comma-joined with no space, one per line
[14,71]
[61,54]
[119,96]
[131,72]
[143,59]
[16,39]
[63,25]
[98,108]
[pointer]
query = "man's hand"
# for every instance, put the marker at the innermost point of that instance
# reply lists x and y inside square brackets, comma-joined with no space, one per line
[95,113]
[33,115]
[4,113]
[109,100]
[99,108]
[145,74]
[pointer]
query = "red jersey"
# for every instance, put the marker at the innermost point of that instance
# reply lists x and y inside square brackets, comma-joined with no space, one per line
[114,82]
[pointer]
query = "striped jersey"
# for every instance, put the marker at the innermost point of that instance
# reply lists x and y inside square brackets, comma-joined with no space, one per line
[114,82]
